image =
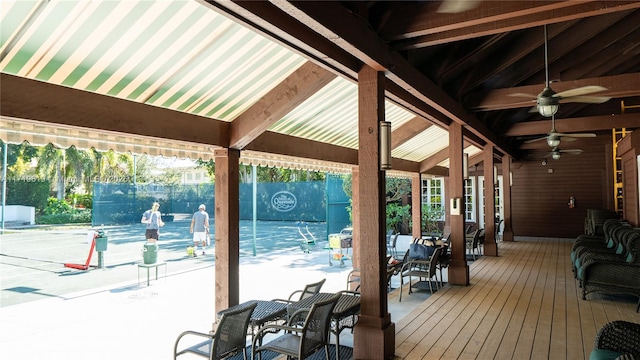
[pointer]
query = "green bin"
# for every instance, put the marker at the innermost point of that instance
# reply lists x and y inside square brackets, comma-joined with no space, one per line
[101,241]
[150,253]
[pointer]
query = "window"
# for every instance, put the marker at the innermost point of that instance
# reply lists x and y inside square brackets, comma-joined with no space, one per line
[469,199]
[433,193]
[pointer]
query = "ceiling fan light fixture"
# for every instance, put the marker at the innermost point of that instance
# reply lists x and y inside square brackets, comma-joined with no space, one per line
[555,155]
[547,103]
[553,141]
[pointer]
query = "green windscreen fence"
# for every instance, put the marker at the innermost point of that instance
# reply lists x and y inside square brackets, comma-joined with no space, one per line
[310,201]
[338,204]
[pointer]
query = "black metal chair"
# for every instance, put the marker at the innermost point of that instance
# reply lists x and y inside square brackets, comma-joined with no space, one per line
[228,339]
[617,340]
[423,269]
[472,243]
[300,341]
[309,290]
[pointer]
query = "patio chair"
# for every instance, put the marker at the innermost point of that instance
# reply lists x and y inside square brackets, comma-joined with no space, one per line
[300,341]
[228,339]
[617,340]
[309,290]
[423,269]
[472,243]
[391,245]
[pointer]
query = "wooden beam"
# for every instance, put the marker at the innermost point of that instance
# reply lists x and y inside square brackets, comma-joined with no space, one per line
[268,20]
[295,89]
[579,10]
[574,125]
[374,334]
[618,86]
[408,130]
[423,22]
[353,35]
[24,98]
[227,234]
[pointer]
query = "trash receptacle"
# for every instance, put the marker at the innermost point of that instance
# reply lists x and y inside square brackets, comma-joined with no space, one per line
[150,253]
[101,241]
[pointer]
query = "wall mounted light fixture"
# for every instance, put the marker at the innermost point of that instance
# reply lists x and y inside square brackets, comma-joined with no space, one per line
[385,145]
[465,166]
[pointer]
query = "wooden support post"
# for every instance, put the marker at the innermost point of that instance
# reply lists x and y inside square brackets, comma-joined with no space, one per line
[507,234]
[374,335]
[227,225]
[416,205]
[458,268]
[489,247]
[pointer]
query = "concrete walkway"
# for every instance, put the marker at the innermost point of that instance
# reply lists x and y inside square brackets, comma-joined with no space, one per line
[130,321]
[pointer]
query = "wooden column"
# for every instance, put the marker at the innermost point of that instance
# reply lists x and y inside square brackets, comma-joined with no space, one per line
[355,217]
[507,233]
[458,268]
[374,335]
[227,225]
[490,247]
[416,205]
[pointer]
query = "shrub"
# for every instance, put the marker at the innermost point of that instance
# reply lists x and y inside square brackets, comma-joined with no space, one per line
[75,217]
[28,193]
[55,206]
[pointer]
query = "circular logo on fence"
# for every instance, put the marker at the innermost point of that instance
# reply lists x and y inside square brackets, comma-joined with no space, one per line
[283,201]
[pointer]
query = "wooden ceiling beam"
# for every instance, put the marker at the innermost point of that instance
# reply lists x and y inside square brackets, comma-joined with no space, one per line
[269,20]
[578,10]
[575,125]
[274,143]
[419,20]
[618,86]
[354,36]
[408,130]
[279,101]
[527,42]
[29,99]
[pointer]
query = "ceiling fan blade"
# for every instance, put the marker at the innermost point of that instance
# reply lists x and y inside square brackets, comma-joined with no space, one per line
[584,90]
[585,99]
[571,151]
[532,97]
[457,6]
[577,135]
[534,140]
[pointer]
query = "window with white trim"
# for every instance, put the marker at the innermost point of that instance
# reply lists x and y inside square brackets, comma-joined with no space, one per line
[469,200]
[433,193]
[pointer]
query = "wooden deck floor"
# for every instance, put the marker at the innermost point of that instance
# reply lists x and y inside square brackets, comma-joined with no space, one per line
[524,304]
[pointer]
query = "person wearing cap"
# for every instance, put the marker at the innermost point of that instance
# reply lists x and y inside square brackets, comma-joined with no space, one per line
[200,229]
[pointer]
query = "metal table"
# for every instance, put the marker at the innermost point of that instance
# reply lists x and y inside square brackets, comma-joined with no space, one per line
[265,312]
[345,312]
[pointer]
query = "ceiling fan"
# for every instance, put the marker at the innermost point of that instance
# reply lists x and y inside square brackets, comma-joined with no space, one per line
[556,152]
[547,101]
[553,137]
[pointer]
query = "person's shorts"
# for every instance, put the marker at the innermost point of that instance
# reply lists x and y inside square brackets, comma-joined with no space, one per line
[199,236]
[151,234]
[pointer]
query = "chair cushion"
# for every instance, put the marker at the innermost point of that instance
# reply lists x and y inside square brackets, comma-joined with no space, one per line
[420,251]
[603,354]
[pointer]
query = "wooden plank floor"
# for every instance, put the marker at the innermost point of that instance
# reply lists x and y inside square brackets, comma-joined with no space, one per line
[524,304]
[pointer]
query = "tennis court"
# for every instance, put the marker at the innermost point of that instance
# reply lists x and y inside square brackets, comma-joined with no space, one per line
[32,260]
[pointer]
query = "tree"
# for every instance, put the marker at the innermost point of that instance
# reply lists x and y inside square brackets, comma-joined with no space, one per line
[19,158]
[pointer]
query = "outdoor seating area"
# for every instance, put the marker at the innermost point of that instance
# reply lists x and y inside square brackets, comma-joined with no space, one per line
[422,260]
[608,263]
[617,340]
[298,326]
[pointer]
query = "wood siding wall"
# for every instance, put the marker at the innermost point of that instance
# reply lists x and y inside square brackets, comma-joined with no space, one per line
[540,197]
[629,150]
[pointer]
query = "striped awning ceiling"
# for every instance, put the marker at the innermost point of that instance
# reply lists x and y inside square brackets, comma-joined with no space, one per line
[176,54]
